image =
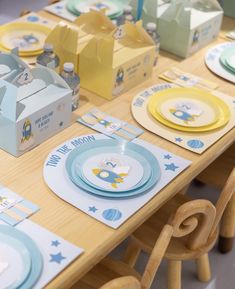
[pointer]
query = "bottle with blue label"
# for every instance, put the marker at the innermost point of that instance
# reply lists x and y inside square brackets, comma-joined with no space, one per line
[151,28]
[48,58]
[73,81]
[127,16]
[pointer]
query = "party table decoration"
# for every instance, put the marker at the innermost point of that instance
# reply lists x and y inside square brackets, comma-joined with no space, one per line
[78,34]
[35,104]
[108,179]
[188,117]
[113,64]
[187,26]
[219,60]
[109,125]
[31,256]
[185,79]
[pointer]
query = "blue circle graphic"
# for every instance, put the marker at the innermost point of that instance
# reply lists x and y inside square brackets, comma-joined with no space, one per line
[112,215]
[195,144]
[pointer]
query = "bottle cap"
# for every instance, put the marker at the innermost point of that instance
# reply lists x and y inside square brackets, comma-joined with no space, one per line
[127,9]
[68,67]
[151,26]
[48,47]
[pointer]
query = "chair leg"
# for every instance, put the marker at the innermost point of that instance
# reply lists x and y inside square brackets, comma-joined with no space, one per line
[203,268]
[174,274]
[227,228]
[132,253]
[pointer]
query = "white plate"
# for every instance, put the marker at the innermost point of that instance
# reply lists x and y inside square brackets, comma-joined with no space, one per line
[113,172]
[188,112]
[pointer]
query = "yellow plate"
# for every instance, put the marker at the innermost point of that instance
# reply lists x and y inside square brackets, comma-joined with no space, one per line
[221,108]
[22,54]
[29,37]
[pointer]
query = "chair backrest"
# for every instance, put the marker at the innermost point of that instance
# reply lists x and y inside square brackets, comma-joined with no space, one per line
[225,196]
[128,282]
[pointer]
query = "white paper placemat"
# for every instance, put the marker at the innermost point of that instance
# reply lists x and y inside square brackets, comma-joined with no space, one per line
[108,211]
[59,9]
[195,142]
[212,60]
[56,252]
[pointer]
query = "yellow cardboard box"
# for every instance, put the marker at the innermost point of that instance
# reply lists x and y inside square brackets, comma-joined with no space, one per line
[112,64]
[69,39]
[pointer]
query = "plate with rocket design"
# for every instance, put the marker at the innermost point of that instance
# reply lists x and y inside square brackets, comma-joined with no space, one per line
[28,37]
[128,154]
[189,109]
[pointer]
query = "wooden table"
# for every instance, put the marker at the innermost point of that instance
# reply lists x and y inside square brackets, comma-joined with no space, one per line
[24,175]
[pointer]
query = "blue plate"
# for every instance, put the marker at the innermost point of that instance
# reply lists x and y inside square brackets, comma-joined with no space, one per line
[36,257]
[80,159]
[25,257]
[119,147]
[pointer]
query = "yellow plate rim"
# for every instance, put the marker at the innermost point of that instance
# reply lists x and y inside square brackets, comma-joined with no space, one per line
[222,107]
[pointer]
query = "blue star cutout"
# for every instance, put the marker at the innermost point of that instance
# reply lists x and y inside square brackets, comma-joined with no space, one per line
[93,209]
[172,167]
[57,258]
[55,243]
[167,157]
[178,139]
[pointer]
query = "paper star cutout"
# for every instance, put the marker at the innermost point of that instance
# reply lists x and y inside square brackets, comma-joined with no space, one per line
[167,157]
[178,139]
[55,243]
[57,258]
[172,167]
[93,209]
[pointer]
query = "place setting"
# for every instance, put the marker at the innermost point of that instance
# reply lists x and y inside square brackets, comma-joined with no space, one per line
[71,9]
[190,117]
[221,60]
[27,261]
[109,179]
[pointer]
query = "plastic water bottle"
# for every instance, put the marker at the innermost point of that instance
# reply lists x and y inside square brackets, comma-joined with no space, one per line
[48,57]
[73,81]
[127,16]
[151,28]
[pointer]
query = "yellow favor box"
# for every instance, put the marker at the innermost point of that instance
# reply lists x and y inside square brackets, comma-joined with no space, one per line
[69,39]
[112,64]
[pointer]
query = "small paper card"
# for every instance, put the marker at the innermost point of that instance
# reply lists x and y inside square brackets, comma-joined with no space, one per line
[57,253]
[109,125]
[112,212]
[186,79]
[195,142]
[13,208]
[59,9]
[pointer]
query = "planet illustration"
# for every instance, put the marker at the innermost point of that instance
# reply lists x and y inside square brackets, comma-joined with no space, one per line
[195,144]
[112,215]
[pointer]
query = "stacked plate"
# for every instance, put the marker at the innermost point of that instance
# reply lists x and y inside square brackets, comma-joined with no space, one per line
[113,169]
[227,59]
[20,259]
[189,110]
[113,8]
[28,37]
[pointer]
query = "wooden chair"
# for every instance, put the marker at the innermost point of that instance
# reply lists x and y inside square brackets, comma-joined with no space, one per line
[195,226]
[108,269]
[216,175]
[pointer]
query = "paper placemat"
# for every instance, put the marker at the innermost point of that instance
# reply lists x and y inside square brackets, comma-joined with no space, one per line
[195,142]
[56,252]
[33,17]
[59,9]
[108,211]
[212,60]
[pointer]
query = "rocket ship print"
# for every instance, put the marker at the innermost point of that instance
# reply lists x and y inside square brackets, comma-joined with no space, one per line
[185,116]
[109,176]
